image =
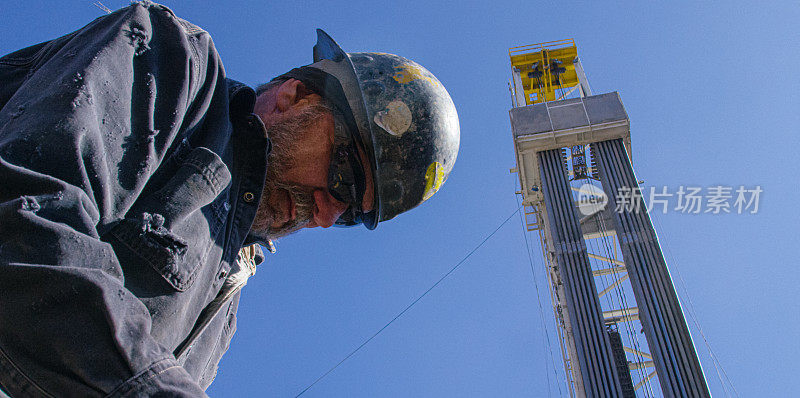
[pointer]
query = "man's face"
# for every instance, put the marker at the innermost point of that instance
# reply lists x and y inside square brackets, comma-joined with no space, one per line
[295,192]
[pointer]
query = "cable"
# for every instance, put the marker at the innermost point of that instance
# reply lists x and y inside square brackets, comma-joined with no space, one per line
[102,7]
[536,284]
[628,324]
[597,245]
[619,291]
[541,310]
[410,305]
[691,311]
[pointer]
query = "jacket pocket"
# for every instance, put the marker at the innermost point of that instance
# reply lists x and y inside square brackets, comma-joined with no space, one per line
[174,228]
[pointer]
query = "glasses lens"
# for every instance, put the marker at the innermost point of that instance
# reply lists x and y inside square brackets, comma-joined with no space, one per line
[346,181]
[349,218]
[342,176]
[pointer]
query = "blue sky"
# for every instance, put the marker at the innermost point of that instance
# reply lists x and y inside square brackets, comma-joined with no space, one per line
[711,89]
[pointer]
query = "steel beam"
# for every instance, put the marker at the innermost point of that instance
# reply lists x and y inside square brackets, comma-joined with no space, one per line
[592,347]
[621,315]
[677,364]
[608,271]
[645,380]
[606,259]
[616,283]
[640,365]
[637,352]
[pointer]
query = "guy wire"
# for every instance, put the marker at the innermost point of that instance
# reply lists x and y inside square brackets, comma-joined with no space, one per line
[410,305]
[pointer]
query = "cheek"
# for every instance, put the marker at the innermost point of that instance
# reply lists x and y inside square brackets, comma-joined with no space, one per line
[310,171]
[312,159]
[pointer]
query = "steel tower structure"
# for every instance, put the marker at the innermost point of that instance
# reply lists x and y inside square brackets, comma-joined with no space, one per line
[609,282]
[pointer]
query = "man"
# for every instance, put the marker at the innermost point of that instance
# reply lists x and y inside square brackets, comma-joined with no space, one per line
[133,172]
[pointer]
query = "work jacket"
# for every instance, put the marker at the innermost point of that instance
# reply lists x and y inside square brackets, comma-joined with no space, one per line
[130,172]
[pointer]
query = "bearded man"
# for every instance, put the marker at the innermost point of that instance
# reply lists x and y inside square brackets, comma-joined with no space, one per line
[138,181]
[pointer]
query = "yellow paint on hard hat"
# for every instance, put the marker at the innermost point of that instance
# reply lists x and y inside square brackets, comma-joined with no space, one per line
[434,178]
[408,73]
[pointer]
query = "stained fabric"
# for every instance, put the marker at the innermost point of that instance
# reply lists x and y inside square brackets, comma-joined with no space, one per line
[124,152]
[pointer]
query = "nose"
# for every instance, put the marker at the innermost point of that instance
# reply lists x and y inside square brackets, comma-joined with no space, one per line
[326,209]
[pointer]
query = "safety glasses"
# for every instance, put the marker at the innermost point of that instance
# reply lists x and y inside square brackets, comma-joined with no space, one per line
[346,177]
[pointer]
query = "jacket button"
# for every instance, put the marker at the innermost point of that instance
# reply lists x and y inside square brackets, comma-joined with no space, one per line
[248,197]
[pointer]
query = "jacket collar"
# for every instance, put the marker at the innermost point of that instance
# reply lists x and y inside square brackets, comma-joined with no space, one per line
[241,98]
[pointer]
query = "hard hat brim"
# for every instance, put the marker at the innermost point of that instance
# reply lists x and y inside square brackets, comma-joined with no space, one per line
[327,49]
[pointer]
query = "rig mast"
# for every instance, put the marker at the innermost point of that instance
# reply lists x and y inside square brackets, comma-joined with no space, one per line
[609,281]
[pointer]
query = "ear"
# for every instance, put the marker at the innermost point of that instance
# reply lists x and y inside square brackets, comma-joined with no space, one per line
[292,93]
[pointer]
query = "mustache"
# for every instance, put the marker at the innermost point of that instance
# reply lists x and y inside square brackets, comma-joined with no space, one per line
[287,135]
[303,198]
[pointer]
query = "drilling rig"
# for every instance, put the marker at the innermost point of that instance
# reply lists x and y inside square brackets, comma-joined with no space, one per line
[621,328]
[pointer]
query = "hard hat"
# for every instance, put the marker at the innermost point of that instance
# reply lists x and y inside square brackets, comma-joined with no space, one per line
[405,122]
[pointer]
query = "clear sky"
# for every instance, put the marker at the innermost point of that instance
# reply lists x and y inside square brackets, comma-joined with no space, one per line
[711,89]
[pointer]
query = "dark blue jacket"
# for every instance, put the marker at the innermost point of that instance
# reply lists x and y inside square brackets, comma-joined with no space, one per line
[130,171]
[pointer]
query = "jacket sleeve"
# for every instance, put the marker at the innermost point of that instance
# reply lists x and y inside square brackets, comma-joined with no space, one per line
[89,117]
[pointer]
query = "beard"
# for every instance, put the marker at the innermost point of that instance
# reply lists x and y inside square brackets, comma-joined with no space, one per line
[286,135]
